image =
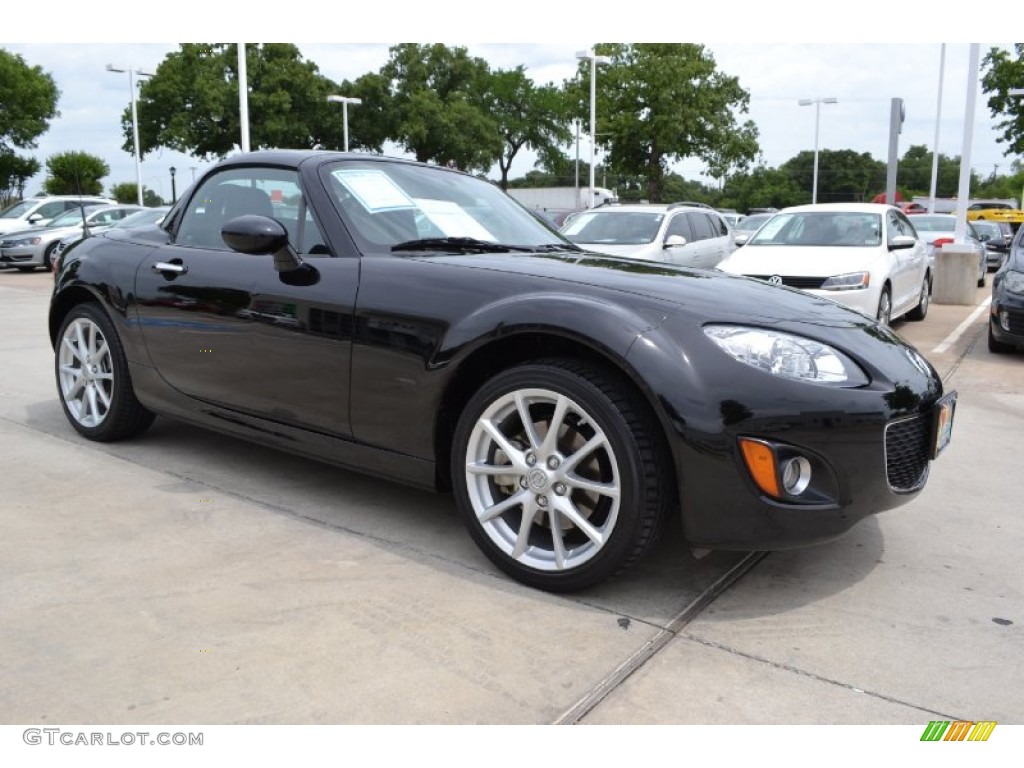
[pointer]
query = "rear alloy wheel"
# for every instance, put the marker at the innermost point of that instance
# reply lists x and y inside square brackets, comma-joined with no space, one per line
[884,314]
[92,378]
[920,312]
[555,467]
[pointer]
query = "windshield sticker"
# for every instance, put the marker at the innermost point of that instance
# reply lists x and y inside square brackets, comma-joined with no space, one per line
[374,190]
[452,219]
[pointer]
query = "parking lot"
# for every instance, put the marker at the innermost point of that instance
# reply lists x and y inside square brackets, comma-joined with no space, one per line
[186,577]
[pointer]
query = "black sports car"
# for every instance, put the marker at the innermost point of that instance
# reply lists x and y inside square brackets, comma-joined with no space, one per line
[1006,319]
[417,323]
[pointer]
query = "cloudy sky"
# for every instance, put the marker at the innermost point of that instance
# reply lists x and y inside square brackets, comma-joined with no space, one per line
[777,67]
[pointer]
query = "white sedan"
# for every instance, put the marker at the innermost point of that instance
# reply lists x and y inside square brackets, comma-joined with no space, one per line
[864,255]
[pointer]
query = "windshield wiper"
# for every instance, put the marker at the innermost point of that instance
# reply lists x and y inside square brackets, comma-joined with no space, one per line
[554,247]
[467,244]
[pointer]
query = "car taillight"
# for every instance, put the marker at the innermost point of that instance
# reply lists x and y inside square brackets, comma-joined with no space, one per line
[942,241]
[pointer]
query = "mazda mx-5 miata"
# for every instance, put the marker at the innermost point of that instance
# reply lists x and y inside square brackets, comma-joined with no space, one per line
[416,323]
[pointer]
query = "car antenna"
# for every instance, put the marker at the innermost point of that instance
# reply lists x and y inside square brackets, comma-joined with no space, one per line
[81,203]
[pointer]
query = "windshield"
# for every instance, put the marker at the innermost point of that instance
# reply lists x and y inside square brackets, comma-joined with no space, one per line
[843,229]
[387,204]
[987,228]
[139,218]
[614,228]
[16,210]
[753,222]
[69,218]
[924,223]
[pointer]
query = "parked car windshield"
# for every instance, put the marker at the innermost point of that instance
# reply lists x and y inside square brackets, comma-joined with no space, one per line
[925,223]
[139,218]
[387,204]
[16,210]
[613,228]
[753,222]
[840,229]
[72,217]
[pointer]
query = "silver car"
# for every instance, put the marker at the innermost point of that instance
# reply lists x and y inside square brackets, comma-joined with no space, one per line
[939,229]
[31,248]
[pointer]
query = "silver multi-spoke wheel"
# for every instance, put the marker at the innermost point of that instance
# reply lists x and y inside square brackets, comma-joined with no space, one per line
[86,372]
[543,479]
[93,382]
[560,473]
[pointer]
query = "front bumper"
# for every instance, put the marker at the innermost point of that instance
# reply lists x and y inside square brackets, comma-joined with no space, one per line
[869,447]
[24,255]
[1006,318]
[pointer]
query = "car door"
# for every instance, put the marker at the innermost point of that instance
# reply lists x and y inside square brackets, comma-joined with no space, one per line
[682,255]
[227,328]
[909,265]
[705,249]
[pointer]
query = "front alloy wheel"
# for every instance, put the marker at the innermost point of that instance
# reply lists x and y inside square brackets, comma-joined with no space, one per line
[555,475]
[93,380]
[884,314]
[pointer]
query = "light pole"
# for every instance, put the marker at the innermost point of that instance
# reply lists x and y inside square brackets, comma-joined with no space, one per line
[345,101]
[817,120]
[132,72]
[594,60]
[1017,92]
[174,189]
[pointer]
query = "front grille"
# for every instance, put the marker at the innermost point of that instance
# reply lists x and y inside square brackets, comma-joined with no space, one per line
[803,283]
[906,453]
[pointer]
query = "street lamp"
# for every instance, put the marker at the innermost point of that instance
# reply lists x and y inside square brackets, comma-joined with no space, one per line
[817,120]
[594,61]
[174,189]
[132,72]
[345,101]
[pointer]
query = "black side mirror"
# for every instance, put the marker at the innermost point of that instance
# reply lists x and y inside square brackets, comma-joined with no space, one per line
[262,236]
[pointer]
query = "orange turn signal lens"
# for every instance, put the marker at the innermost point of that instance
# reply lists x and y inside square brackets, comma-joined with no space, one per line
[761,463]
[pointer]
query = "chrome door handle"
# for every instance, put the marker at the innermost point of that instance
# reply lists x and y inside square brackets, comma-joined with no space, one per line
[163,266]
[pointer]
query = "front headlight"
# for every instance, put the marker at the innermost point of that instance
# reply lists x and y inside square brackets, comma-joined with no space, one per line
[786,355]
[26,241]
[851,282]
[1014,281]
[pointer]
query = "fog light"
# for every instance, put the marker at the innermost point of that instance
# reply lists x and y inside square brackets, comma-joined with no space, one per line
[796,475]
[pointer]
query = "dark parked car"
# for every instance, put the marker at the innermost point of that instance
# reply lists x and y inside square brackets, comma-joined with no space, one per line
[416,323]
[1006,318]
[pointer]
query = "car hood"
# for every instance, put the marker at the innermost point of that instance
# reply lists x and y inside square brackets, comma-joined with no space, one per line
[706,294]
[617,250]
[803,261]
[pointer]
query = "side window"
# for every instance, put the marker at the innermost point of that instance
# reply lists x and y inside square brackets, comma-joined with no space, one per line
[718,225]
[680,225]
[906,228]
[51,210]
[701,226]
[271,192]
[894,225]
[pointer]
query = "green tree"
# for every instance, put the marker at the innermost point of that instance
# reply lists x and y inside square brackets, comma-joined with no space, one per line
[762,187]
[843,175]
[437,106]
[125,192]
[1002,71]
[915,172]
[28,102]
[14,172]
[663,102]
[528,115]
[191,102]
[74,173]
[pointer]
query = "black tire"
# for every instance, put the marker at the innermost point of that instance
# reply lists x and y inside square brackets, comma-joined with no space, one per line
[884,312]
[920,312]
[998,347]
[48,257]
[93,384]
[627,458]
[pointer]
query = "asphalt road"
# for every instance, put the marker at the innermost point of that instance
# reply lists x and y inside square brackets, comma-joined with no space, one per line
[186,577]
